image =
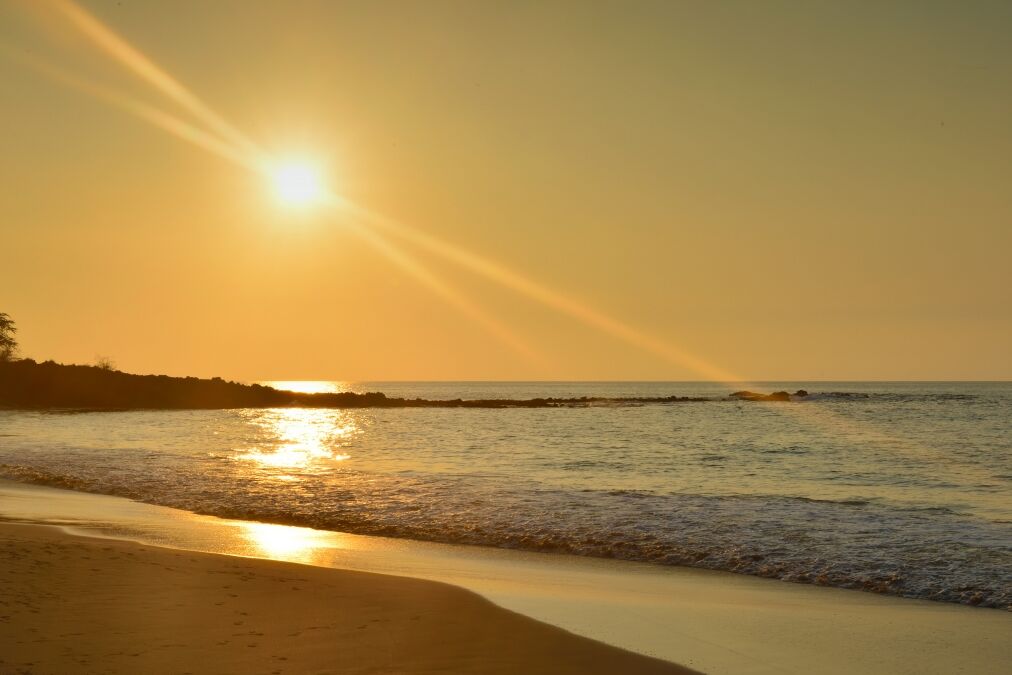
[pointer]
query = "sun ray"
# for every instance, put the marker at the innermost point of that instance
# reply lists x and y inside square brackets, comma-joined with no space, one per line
[413,267]
[131,58]
[164,121]
[503,276]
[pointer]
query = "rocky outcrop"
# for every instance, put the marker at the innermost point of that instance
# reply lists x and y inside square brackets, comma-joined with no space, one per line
[775,396]
[29,385]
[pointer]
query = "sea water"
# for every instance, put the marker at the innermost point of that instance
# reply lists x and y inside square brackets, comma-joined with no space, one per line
[901,488]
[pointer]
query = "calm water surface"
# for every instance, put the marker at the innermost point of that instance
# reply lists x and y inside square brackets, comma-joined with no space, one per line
[903,488]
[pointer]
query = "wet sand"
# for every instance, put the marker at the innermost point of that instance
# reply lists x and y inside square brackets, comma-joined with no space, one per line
[78,605]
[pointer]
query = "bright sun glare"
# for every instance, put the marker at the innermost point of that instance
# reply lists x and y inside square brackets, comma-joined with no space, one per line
[297,183]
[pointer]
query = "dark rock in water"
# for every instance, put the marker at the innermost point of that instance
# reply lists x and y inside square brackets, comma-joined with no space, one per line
[754,396]
[801,392]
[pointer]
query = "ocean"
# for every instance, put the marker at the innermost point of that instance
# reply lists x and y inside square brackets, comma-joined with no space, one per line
[890,487]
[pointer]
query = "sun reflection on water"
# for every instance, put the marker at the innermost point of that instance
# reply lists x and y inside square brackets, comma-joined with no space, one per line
[283,542]
[304,439]
[308,386]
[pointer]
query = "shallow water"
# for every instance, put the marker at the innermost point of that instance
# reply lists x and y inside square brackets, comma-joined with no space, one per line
[903,488]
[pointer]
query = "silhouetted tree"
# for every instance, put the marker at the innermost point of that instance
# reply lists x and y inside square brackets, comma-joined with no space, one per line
[8,345]
[105,363]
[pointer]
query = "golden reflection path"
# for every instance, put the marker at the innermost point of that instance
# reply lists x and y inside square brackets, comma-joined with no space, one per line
[307,386]
[305,439]
[284,542]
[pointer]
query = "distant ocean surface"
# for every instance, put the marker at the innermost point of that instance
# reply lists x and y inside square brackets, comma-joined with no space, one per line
[902,488]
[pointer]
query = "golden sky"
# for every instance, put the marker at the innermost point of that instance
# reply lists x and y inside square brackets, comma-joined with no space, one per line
[781,190]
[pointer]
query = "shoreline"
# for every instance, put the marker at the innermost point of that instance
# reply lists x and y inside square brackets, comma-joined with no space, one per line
[44,480]
[716,622]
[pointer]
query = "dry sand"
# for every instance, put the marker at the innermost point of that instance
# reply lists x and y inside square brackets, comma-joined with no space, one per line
[77,605]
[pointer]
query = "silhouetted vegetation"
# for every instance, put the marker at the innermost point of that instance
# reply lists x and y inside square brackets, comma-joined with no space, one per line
[8,345]
[27,384]
[105,363]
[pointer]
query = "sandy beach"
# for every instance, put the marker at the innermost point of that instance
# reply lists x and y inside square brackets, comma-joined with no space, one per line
[72,604]
[712,622]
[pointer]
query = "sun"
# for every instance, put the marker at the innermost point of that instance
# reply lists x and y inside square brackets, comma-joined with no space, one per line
[297,183]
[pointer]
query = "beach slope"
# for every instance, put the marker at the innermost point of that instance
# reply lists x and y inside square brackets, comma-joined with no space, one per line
[72,604]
